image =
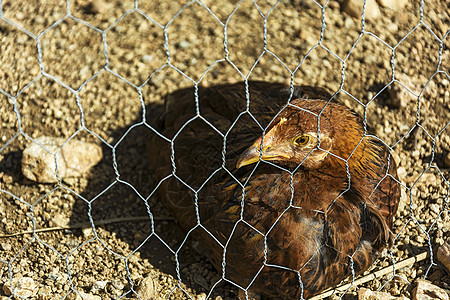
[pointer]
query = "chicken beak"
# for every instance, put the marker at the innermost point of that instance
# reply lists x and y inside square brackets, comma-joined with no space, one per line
[252,154]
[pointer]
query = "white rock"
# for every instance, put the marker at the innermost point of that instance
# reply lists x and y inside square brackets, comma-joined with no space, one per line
[147,288]
[118,284]
[401,172]
[201,296]
[87,232]
[355,8]
[366,294]
[443,254]
[23,287]
[393,4]
[404,200]
[99,285]
[84,296]
[74,159]
[60,220]
[425,290]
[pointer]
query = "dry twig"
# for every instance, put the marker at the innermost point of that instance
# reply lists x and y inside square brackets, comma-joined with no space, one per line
[87,225]
[372,276]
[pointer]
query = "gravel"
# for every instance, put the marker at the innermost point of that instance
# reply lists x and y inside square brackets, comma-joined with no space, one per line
[69,89]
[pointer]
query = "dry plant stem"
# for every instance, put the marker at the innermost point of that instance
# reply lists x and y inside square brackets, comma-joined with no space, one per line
[371,276]
[86,225]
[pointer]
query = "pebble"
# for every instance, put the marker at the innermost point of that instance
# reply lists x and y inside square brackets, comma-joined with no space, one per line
[404,200]
[366,294]
[393,4]
[415,154]
[426,290]
[401,172]
[443,254]
[428,178]
[5,246]
[420,239]
[355,8]
[84,296]
[87,232]
[435,208]
[201,296]
[74,159]
[99,285]
[117,284]
[60,220]
[23,287]
[147,288]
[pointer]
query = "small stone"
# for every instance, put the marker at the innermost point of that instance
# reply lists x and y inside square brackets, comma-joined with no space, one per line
[96,7]
[60,220]
[404,200]
[392,27]
[393,4]
[5,246]
[420,239]
[401,172]
[201,296]
[23,287]
[334,4]
[355,8]
[428,178]
[117,284]
[387,130]
[72,243]
[366,294]
[435,208]
[184,44]
[349,22]
[87,232]
[84,296]
[443,254]
[74,159]
[99,285]
[147,288]
[425,290]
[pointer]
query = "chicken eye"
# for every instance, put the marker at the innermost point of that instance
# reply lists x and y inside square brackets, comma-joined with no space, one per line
[301,140]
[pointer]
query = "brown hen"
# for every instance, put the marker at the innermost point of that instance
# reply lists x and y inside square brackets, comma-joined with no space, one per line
[287,213]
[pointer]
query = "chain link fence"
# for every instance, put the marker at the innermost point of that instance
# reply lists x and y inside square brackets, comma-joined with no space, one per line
[98,71]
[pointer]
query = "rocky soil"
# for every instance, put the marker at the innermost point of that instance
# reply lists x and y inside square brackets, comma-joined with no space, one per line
[97,70]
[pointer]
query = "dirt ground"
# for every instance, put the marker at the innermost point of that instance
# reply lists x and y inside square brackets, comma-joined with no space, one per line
[97,70]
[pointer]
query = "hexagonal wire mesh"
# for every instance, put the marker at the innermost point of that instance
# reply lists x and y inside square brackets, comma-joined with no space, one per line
[98,71]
